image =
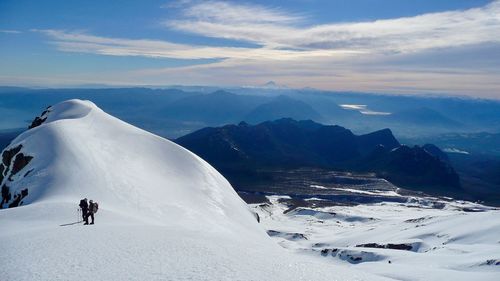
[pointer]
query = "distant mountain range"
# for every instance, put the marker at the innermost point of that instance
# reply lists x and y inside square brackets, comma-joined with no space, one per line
[287,144]
[455,124]
[282,106]
[175,112]
[215,108]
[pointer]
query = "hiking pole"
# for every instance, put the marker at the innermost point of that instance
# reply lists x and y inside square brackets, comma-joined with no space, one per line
[78,214]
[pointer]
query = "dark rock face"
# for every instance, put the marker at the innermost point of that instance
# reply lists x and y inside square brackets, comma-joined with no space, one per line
[418,220]
[13,161]
[2,168]
[36,122]
[243,149]
[6,196]
[39,119]
[328,251]
[355,259]
[284,142]
[257,217]
[414,167]
[289,236]
[8,154]
[492,262]
[405,247]
[383,138]
[20,162]
[18,198]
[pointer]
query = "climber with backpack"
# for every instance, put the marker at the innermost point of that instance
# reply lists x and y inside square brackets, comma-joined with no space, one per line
[93,207]
[84,206]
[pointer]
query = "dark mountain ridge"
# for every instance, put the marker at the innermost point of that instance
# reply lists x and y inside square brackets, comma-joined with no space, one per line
[287,144]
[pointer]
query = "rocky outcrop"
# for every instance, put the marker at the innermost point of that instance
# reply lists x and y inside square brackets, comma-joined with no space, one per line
[8,154]
[18,198]
[2,169]
[352,256]
[6,196]
[20,162]
[13,162]
[39,119]
[383,138]
[405,247]
[492,262]
[287,235]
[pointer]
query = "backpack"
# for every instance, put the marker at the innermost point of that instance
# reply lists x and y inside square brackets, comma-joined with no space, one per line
[96,207]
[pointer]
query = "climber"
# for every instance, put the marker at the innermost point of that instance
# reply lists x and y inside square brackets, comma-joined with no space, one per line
[85,207]
[93,207]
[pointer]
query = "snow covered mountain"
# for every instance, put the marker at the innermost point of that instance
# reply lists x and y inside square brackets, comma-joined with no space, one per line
[164,213]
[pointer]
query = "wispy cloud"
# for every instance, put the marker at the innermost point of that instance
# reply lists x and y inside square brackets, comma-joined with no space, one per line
[10,31]
[282,35]
[231,13]
[376,55]
[273,28]
[85,43]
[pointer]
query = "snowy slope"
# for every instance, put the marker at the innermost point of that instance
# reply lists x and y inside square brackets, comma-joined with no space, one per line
[406,241]
[165,214]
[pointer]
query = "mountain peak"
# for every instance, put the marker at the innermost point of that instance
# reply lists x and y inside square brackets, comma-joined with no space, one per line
[81,151]
[158,202]
[273,85]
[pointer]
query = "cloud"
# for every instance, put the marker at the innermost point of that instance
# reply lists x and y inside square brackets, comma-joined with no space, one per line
[270,27]
[282,35]
[10,31]
[230,13]
[409,54]
[85,43]
[355,74]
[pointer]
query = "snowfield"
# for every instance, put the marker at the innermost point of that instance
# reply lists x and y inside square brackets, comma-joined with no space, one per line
[422,239]
[164,213]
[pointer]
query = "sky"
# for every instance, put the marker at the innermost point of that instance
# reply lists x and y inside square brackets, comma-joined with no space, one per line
[383,46]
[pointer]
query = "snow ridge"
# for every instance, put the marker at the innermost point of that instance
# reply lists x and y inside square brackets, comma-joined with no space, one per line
[165,214]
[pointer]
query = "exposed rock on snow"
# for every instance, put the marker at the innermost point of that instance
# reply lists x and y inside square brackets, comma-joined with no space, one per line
[406,247]
[421,239]
[289,236]
[13,161]
[20,162]
[492,262]
[39,119]
[8,154]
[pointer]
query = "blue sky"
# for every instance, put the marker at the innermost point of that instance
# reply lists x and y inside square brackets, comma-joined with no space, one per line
[390,46]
